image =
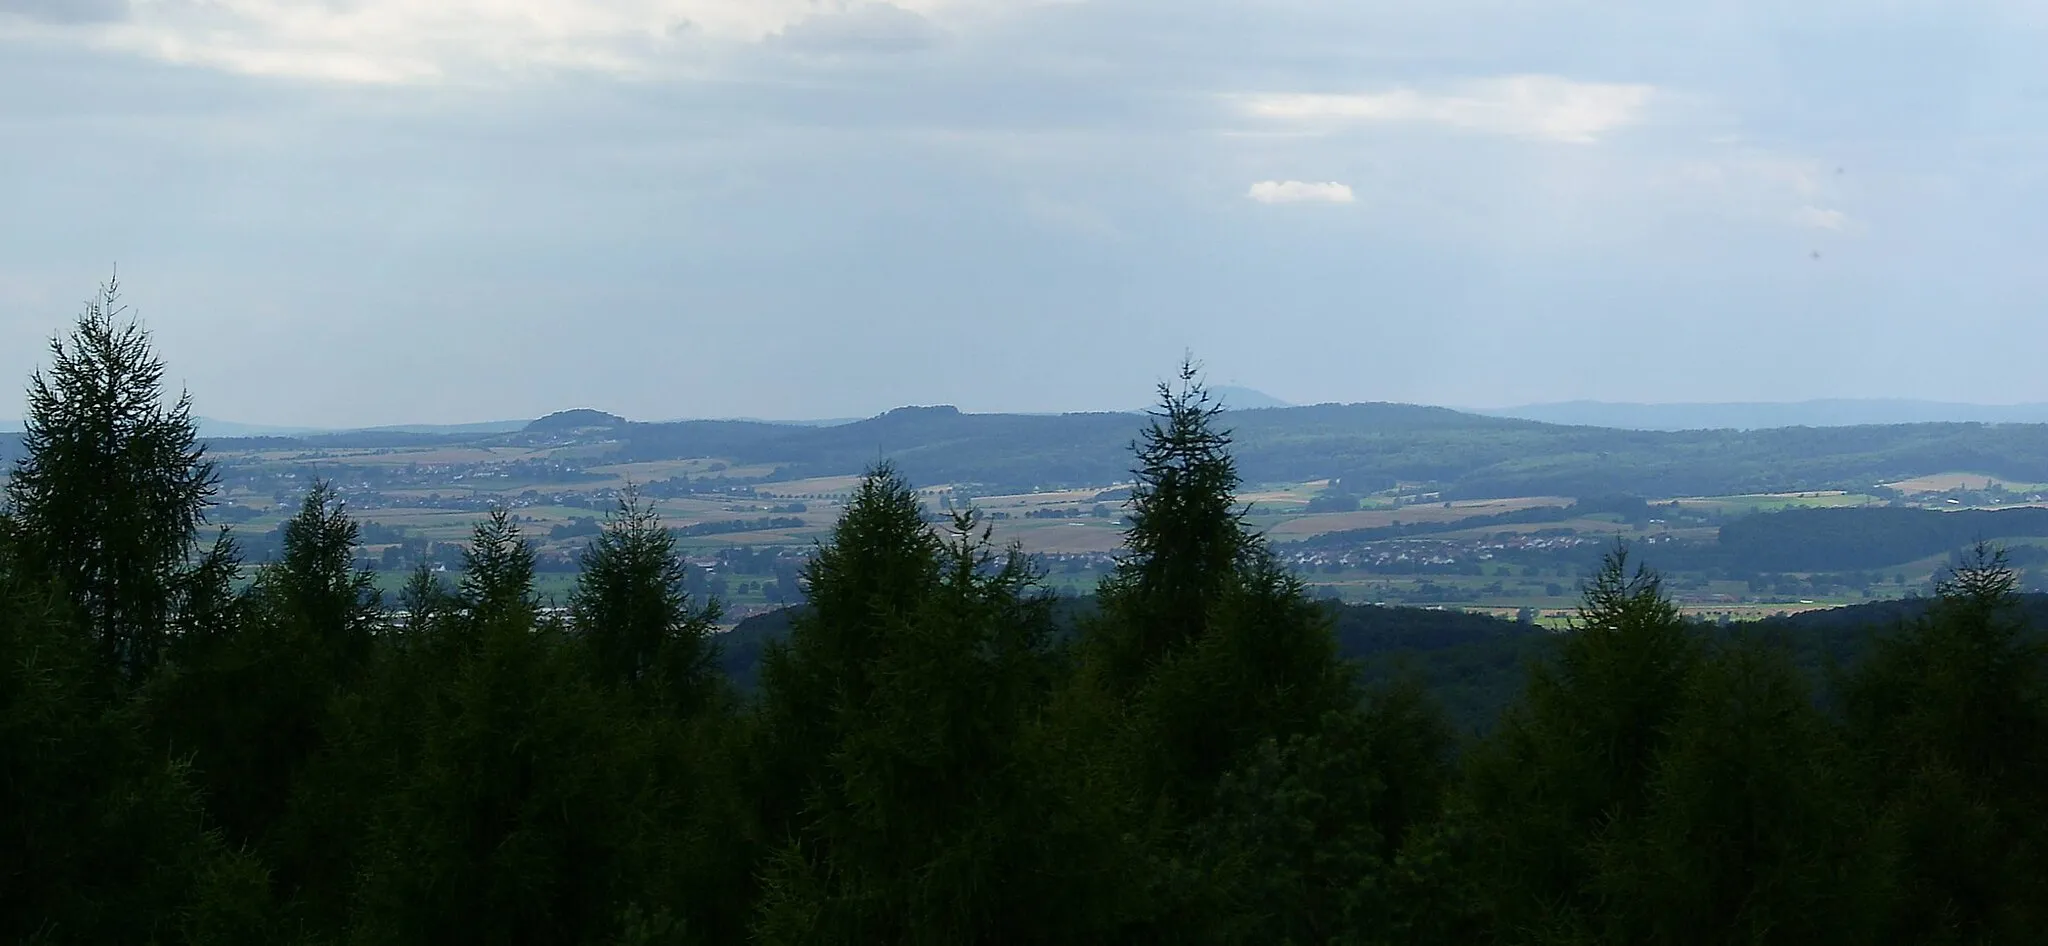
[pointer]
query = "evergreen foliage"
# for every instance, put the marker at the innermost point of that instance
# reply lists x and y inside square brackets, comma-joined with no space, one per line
[930,758]
[1186,540]
[1950,717]
[631,609]
[113,488]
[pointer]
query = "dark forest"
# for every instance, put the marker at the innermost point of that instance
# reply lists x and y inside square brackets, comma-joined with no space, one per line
[936,750]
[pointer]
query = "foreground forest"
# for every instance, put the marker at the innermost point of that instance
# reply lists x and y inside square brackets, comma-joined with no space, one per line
[927,757]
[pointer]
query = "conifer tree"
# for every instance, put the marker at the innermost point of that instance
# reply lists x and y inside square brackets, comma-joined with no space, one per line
[927,820]
[1186,539]
[630,608]
[1206,683]
[878,567]
[1204,642]
[1573,760]
[1305,841]
[1950,715]
[113,489]
[250,695]
[424,599]
[1266,667]
[1749,832]
[511,819]
[316,585]
[102,837]
[496,590]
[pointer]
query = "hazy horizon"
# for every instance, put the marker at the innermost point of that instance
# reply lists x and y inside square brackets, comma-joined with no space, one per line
[1822,412]
[381,212]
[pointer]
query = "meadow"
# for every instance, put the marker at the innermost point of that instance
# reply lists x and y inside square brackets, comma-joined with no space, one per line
[733,516]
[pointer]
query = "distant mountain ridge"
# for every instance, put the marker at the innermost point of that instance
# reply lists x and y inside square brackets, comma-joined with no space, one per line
[1618,415]
[581,418]
[1234,398]
[1373,446]
[1763,415]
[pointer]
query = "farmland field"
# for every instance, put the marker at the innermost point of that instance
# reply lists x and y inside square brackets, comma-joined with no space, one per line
[749,524]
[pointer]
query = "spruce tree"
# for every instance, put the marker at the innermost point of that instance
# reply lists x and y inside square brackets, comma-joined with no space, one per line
[632,613]
[424,599]
[1749,832]
[316,584]
[1207,678]
[1204,642]
[1307,837]
[1186,539]
[509,818]
[103,838]
[113,489]
[927,818]
[1573,761]
[878,567]
[1950,717]
[496,589]
[250,697]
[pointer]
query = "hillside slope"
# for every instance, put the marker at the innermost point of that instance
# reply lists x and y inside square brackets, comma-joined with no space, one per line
[1465,455]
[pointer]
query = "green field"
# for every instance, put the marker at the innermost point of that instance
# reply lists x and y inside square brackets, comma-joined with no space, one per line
[437,494]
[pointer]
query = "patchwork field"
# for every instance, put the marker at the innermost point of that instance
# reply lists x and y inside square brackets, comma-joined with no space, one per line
[1303,525]
[737,519]
[1950,482]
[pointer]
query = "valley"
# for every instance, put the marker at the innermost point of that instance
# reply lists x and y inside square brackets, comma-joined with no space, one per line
[1390,504]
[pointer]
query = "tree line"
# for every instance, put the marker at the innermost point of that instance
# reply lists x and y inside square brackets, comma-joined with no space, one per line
[186,757]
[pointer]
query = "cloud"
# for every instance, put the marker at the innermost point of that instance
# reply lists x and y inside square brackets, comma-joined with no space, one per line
[868,28]
[405,41]
[66,11]
[1820,218]
[1528,106]
[1300,192]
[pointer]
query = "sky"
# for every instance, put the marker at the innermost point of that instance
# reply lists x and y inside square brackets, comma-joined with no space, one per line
[357,212]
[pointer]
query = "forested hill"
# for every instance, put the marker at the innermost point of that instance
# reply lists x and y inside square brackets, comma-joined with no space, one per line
[1837,412]
[1466,455]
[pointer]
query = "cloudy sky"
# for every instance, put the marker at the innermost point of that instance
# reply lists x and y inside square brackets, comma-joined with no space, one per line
[342,212]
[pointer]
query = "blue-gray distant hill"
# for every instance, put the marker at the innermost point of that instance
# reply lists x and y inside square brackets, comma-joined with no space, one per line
[1761,415]
[1236,399]
[1370,446]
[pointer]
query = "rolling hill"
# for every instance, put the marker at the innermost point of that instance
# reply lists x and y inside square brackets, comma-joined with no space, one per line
[1756,415]
[1464,455]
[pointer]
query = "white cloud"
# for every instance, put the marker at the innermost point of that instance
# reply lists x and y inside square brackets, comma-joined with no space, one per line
[1530,106]
[1820,218]
[868,28]
[1298,192]
[398,41]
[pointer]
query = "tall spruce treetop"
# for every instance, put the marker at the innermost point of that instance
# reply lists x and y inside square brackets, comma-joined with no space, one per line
[1575,759]
[316,585]
[1187,539]
[114,485]
[878,568]
[1950,713]
[497,580]
[631,609]
[1617,682]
